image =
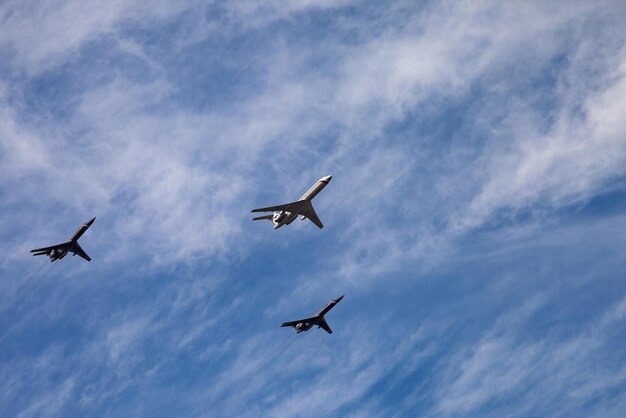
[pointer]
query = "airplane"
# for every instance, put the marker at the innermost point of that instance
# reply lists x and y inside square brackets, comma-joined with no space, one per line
[57,252]
[287,213]
[318,319]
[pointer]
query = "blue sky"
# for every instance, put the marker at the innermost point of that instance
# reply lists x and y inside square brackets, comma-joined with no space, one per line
[475,220]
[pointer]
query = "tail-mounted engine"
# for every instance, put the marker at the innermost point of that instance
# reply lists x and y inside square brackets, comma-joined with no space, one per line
[278,216]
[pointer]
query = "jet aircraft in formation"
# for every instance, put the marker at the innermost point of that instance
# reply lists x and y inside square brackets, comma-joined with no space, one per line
[283,215]
[318,319]
[57,252]
[288,212]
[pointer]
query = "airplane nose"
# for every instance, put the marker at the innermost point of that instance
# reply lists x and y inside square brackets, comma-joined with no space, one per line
[91,221]
[339,299]
[328,178]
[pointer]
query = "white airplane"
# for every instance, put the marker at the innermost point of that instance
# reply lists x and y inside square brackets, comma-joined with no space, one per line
[287,213]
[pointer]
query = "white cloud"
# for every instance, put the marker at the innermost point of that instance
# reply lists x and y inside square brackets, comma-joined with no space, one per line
[187,171]
[550,374]
[572,161]
[44,34]
[50,404]
[175,184]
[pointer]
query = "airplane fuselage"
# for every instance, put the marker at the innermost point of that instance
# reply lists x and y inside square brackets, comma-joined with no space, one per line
[285,218]
[81,230]
[328,307]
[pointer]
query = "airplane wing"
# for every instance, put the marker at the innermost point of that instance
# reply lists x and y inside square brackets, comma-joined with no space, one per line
[323,324]
[46,250]
[77,250]
[309,212]
[293,207]
[299,321]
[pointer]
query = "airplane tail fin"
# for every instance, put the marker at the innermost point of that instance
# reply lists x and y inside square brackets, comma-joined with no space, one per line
[259,218]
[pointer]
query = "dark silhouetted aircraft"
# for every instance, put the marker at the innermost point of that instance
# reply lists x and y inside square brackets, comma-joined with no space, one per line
[287,213]
[308,323]
[57,252]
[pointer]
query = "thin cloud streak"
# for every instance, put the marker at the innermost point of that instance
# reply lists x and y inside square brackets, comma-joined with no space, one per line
[438,122]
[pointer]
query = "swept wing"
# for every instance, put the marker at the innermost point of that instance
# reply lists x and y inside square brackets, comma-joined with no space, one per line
[299,321]
[293,207]
[323,324]
[309,213]
[77,250]
[47,250]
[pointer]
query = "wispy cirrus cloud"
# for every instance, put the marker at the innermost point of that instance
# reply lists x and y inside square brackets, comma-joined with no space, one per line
[41,35]
[450,129]
[552,375]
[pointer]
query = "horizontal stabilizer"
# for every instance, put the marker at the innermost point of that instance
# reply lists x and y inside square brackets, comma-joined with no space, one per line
[260,218]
